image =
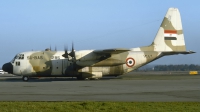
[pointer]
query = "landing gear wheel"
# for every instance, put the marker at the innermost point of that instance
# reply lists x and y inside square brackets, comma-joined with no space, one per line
[80,78]
[25,78]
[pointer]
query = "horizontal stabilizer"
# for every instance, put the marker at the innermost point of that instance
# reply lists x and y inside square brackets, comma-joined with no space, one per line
[181,52]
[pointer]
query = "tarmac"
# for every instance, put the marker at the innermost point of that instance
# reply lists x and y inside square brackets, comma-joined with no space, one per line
[133,87]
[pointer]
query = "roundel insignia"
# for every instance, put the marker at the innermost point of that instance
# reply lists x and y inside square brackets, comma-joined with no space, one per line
[130,62]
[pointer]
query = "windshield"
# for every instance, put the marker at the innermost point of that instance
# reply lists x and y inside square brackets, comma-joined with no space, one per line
[13,59]
[18,56]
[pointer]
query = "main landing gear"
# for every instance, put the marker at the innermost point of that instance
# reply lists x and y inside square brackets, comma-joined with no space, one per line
[25,78]
[80,78]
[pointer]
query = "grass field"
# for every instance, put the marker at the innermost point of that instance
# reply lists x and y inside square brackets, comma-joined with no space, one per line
[99,106]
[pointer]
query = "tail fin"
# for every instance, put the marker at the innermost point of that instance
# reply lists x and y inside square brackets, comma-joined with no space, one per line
[170,34]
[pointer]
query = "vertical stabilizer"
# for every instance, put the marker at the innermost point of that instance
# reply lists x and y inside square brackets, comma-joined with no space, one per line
[170,34]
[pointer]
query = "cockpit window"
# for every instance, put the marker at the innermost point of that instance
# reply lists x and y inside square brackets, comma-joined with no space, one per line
[19,57]
[14,59]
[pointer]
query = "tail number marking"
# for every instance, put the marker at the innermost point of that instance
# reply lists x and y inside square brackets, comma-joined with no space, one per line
[130,62]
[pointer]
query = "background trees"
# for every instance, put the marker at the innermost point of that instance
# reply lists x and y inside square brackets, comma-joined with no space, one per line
[184,67]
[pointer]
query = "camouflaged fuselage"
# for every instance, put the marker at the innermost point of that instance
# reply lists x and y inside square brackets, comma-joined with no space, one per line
[52,63]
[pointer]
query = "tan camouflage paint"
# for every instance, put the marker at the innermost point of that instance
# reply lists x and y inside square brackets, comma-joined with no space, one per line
[42,66]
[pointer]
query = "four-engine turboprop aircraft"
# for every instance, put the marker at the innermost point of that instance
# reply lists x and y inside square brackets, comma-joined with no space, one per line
[97,63]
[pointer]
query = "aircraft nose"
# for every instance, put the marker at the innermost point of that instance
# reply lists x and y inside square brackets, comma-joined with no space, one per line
[8,67]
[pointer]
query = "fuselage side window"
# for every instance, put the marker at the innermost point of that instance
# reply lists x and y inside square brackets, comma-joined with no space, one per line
[17,63]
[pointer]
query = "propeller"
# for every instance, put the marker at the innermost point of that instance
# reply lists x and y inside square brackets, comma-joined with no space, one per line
[72,53]
[66,53]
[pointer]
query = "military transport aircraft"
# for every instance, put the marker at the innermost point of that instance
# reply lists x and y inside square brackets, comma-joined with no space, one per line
[98,63]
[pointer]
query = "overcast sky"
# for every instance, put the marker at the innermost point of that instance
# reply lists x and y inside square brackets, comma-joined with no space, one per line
[93,24]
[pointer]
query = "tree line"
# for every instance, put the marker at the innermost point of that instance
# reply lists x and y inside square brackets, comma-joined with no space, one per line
[184,67]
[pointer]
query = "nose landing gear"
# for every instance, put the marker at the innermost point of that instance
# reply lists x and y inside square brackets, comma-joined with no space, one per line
[25,78]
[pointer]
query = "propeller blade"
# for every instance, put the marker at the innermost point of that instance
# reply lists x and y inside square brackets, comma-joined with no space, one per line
[72,53]
[66,52]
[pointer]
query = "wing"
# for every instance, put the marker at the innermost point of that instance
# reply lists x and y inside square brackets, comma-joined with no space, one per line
[106,53]
[111,51]
[101,58]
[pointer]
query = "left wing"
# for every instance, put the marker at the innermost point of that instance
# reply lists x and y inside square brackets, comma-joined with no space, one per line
[106,53]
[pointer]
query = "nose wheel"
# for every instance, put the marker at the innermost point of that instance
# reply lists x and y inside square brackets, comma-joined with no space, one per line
[25,78]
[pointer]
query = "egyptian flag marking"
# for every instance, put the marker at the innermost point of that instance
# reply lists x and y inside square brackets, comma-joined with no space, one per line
[170,35]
